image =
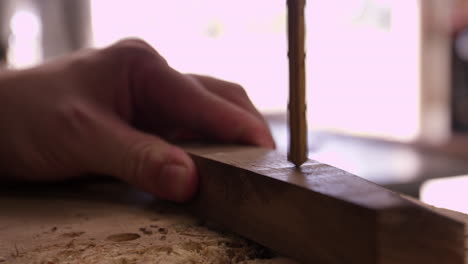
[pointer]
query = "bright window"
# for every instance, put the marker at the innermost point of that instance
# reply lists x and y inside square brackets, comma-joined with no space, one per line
[363,56]
[242,41]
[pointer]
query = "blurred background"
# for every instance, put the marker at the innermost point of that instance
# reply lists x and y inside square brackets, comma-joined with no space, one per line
[386,85]
[372,46]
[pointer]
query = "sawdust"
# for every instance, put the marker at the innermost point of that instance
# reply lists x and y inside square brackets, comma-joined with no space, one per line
[123,237]
[146,231]
[187,252]
[87,252]
[72,234]
[187,244]
[162,230]
[111,233]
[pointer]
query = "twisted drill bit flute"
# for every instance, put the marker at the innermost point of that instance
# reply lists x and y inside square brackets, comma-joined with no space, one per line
[297,153]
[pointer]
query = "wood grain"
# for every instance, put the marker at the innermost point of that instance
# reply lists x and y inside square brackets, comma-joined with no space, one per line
[317,213]
[297,87]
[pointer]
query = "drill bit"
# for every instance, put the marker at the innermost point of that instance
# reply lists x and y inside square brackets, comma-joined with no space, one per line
[297,107]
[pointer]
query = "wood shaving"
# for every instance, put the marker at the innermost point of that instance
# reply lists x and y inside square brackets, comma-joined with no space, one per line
[162,231]
[123,237]
[146,231]
[72,234]
[112,234]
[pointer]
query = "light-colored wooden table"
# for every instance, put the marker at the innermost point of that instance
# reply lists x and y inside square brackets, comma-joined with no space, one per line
[110,222]
[106,221]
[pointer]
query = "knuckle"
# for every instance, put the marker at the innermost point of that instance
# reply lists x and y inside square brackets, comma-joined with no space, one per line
[134,48]
[238,89]
[133,43]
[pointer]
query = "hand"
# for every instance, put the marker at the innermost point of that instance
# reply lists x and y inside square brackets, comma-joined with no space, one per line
[110,111]
[459,16]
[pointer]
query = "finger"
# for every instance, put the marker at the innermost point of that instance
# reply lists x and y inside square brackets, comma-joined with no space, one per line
[185,101]
[232,92]
[459,16]
[138,158]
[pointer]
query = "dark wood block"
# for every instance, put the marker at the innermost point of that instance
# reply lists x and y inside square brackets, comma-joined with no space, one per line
[318,213]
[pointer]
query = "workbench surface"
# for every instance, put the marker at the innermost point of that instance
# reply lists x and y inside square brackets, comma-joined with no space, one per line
[106,221]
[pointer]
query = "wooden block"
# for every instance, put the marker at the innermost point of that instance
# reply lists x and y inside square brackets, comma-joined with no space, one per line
[317,213]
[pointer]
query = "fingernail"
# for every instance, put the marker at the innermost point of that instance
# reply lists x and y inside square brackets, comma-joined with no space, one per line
[174,180]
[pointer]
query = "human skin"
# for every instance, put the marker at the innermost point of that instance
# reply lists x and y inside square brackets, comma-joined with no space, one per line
[113,111]
[459,15]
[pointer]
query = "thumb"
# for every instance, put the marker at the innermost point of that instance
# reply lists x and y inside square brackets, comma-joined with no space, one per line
[143,160]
